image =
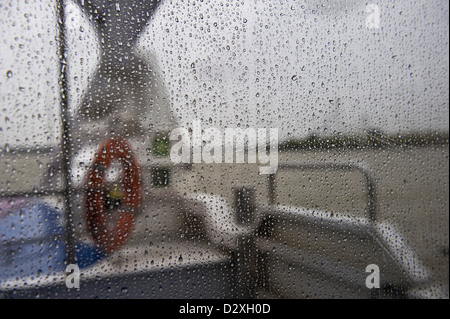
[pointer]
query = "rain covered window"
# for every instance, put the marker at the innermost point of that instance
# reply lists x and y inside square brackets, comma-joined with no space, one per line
[224,149]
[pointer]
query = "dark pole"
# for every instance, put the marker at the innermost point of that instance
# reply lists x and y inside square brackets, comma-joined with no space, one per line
[65,140]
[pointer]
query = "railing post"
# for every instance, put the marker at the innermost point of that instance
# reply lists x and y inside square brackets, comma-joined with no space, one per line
[245,256]
[244,202]
[271,189]
[66,135]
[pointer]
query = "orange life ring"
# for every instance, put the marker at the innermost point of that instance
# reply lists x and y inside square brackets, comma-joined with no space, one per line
[110,239]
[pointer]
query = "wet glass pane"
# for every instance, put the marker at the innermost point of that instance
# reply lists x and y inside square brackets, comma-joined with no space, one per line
[224,149]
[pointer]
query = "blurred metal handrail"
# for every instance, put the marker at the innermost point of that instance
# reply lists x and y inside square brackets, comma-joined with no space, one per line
[31,194]
[362,168]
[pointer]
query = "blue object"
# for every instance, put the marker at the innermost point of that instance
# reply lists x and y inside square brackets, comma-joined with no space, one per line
[32,243]
[87,255]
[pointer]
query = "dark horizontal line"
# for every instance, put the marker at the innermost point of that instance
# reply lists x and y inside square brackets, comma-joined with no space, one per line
[25,150]
[374,139]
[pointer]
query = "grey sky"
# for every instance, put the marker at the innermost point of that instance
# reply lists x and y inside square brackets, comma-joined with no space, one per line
[306,67]
[299,67]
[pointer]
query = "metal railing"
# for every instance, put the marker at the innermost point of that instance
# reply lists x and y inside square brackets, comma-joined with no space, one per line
[363,169]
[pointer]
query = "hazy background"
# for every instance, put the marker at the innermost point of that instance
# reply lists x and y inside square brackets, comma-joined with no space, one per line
[305,67]
[301,67]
